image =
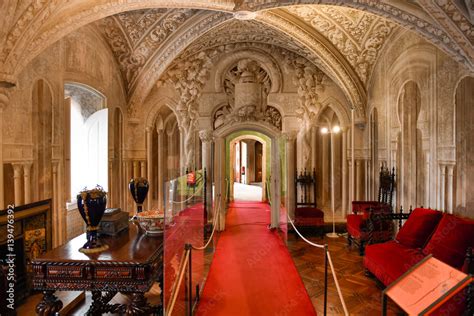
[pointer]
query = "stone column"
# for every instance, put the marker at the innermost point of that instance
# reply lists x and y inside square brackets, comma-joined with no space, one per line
[367,179]
[351,190]
[17,169]
[111,193]
[344,172]
[143,168]
[161,175]
[136,168]
[357,172]
[182,152]
[324,170]
[314,142]
[129,172]
[56,230]
[206,137]
[450,183]
[170,159]
[149,159]
[427,178]
[27,181]
[4,101]
[442,205]
[290,138]
[220,177]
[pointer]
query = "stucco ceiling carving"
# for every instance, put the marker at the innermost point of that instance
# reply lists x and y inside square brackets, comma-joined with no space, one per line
[136,36]
[358,35]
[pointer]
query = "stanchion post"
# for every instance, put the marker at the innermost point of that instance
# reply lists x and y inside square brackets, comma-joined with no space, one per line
[325,279]
[188,247]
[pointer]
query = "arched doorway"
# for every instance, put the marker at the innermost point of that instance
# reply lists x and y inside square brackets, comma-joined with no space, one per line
[248,165]
[222,180]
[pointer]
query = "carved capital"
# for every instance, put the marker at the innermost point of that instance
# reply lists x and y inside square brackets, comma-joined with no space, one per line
[290,136]
[206,135]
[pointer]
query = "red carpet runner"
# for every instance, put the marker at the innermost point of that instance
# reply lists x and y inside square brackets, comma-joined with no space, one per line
[252,272]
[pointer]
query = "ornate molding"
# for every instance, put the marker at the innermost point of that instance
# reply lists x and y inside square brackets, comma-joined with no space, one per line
[165,57]
[441,37]
[358,35]
[134,37]
[348,82]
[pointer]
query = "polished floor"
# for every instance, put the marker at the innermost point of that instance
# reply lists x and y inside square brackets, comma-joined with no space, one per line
[361,293]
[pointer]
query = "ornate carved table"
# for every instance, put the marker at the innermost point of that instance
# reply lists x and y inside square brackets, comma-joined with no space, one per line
[133,262]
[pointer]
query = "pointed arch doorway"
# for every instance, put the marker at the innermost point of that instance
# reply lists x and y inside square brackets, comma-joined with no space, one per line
[223,138]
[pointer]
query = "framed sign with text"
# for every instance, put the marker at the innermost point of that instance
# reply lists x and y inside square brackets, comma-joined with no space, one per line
[425,287]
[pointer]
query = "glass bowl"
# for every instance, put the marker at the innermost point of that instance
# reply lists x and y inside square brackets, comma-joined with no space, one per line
[152,222]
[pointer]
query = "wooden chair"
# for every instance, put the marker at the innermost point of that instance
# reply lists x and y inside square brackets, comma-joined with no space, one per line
[364,226]
[307,215]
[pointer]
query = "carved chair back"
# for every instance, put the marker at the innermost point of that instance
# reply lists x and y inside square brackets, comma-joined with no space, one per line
[306,182]
[386,185]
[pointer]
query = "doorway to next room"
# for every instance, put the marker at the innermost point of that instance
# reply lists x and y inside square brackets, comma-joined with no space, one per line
[248,168]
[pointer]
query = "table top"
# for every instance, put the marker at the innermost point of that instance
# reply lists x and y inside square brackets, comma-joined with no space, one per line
[131,246]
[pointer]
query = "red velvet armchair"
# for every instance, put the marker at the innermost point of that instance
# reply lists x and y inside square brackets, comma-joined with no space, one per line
[364,225]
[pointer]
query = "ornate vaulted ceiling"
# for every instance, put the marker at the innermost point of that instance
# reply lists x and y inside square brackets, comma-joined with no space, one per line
[358,35]
[136,36]
[342,38]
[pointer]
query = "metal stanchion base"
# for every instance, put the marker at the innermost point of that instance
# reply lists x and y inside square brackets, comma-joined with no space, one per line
[332,235]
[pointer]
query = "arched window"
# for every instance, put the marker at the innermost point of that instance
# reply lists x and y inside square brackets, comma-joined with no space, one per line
[88,138]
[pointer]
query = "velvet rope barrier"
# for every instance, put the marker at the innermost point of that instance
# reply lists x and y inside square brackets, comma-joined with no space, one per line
[216,219]
[328,259]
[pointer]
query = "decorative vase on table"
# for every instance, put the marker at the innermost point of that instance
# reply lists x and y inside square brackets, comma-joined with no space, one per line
[139,189]
[91,204]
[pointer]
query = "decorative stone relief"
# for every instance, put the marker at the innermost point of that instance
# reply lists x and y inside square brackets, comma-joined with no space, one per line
[188,76]
[358,35]
[247,86]
[135,36]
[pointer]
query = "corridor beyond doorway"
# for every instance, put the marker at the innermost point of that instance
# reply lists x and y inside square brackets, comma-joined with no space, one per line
[247,192]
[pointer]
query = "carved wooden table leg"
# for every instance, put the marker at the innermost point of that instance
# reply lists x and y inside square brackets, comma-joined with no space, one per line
[138,305]
[49,305]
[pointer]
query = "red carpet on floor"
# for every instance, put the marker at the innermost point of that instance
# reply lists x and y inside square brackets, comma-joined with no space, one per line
[252,272]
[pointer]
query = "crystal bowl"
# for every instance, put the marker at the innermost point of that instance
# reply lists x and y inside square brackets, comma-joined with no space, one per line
[152,222]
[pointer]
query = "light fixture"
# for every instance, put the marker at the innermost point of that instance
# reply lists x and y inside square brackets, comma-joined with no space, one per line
[336,129]
[324,130]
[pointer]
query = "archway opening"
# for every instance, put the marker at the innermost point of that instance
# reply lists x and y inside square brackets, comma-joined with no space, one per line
[249,169]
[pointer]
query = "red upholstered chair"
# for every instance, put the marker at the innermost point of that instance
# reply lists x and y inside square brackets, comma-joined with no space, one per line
[363,225]
[307,215]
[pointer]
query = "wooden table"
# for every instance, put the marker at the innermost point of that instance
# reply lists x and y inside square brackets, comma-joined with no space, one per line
[130,266]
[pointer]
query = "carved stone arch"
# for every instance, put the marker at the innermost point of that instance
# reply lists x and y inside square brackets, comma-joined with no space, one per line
[453,35]
[49,84]
[338,108]
[155,110]
[84,84]
[339,68]
[169,119]
[268,63]
[417,69]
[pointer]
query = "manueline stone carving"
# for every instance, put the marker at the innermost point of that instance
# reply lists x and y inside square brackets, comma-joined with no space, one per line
[134,37]
[357,34]
[309,81]
[188,78]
